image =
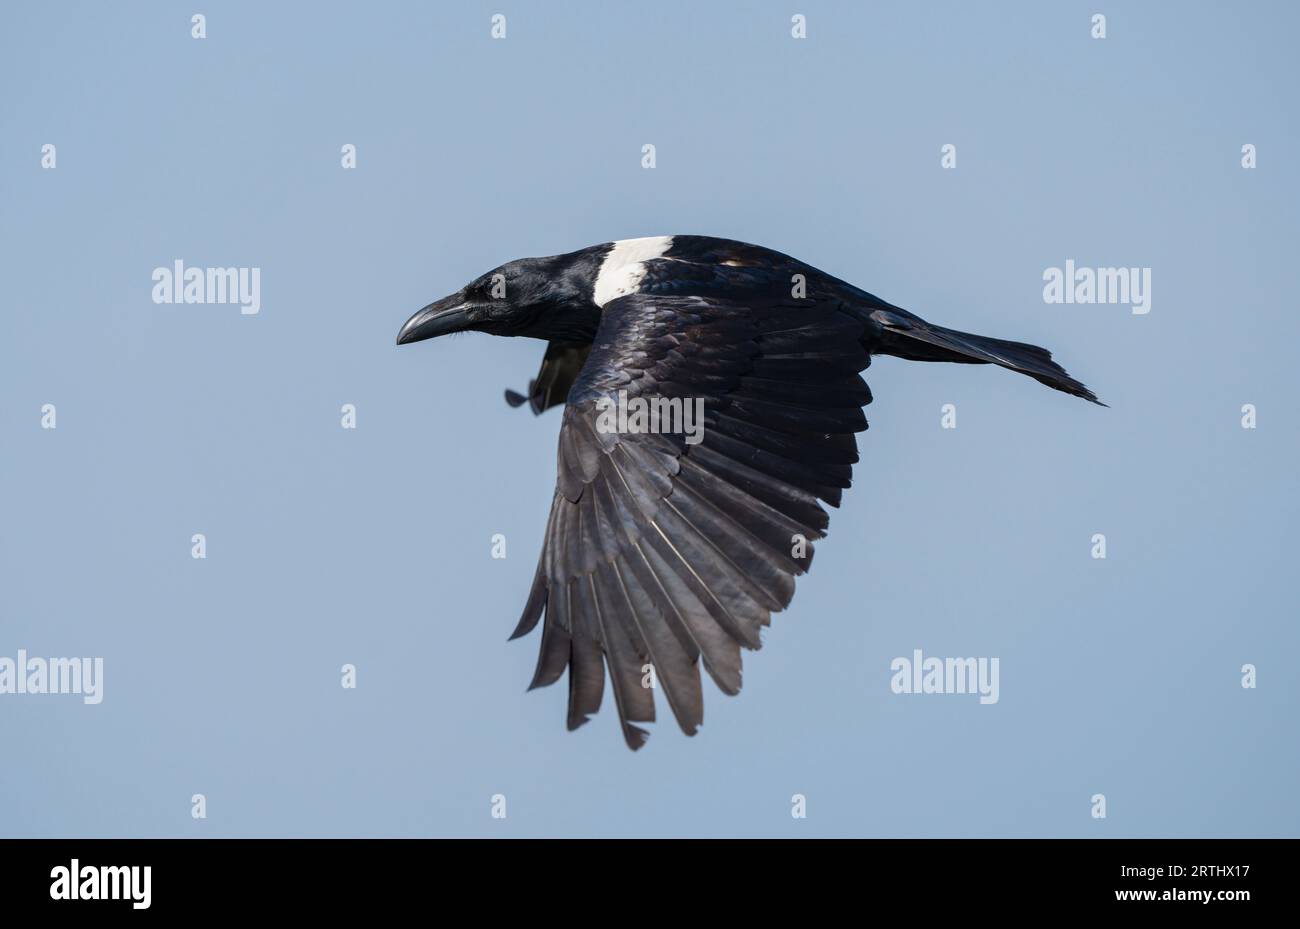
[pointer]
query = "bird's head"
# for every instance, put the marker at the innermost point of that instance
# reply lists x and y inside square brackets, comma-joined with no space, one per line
[544,298]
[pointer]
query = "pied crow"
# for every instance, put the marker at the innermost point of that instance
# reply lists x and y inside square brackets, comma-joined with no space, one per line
[661,554]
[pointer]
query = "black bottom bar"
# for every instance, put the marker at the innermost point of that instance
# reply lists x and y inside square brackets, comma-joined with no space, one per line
[237,876]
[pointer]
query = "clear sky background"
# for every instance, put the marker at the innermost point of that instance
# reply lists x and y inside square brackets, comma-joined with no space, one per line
[326,546]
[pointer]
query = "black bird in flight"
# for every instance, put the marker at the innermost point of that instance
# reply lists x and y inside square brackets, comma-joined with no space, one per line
[661,553]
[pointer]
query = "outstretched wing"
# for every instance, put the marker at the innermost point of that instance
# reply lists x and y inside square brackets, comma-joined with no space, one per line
[660,553]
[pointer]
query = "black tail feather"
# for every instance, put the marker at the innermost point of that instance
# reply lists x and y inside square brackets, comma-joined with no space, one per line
[908,336]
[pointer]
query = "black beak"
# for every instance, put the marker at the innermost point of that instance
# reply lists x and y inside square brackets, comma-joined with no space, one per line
[440,318]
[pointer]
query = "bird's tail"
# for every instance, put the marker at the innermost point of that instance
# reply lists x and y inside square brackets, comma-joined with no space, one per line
[907,336]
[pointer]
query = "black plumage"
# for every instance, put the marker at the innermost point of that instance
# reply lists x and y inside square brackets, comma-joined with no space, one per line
[664,554]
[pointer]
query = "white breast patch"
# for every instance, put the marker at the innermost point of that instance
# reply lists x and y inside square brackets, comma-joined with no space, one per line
[624,266]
